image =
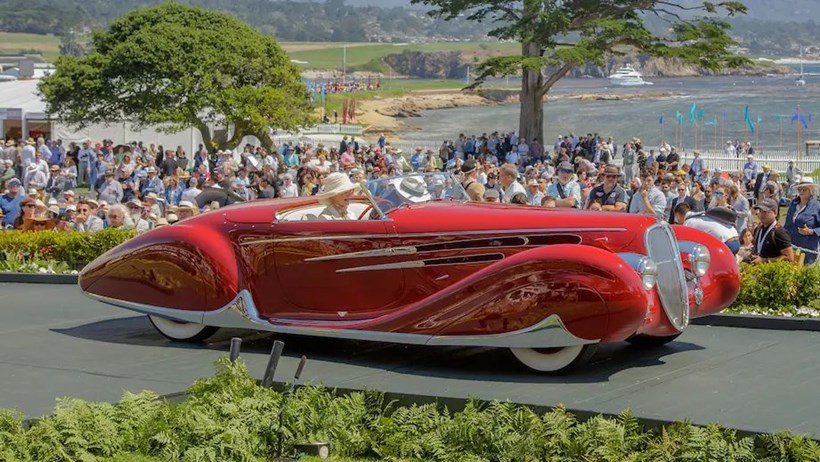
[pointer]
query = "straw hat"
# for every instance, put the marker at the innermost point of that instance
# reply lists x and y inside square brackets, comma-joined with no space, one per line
[32,167]
[805,182]
[337,183]
[30,141]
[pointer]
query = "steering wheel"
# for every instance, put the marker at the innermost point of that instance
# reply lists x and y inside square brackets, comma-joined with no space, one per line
[368,209]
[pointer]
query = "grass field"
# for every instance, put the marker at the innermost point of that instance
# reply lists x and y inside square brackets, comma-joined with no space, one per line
[390,89]
[47,45]
[331,55]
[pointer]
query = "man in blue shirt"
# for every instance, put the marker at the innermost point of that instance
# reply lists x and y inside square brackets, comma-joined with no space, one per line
[10,202]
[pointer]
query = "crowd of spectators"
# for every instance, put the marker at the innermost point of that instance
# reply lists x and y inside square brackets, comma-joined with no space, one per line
[142,187]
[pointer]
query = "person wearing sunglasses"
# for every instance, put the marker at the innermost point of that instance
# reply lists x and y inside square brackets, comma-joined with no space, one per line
[608,196]
[565,189]
[86,218]
[803,219]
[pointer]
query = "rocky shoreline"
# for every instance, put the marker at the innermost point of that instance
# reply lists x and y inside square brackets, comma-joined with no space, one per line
[386,115]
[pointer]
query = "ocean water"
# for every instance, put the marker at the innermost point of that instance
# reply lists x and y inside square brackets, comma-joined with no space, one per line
[772,102]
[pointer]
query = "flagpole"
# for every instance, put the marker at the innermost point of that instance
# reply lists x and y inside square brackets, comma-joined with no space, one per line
[757,135]
[716,138]
[781,134]
[798,132]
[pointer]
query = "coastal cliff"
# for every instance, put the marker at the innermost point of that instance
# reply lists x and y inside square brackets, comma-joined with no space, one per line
[454,65]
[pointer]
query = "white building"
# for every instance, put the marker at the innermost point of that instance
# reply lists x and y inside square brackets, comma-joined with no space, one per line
[23,115]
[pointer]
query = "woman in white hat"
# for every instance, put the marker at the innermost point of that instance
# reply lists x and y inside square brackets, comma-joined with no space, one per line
[338,189]
[803,219]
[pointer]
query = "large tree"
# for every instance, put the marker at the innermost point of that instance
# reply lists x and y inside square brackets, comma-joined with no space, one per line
[178,66]
[558,35]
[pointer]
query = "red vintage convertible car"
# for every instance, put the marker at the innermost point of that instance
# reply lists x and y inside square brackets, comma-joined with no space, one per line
[429,269]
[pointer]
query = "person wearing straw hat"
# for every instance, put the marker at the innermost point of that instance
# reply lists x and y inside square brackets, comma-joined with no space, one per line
[338,189]
[803,219]
[35,178]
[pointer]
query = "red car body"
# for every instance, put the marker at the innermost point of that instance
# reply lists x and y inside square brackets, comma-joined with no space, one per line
[438,273]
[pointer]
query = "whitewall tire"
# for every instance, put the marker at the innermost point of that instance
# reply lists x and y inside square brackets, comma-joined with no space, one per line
[182,331]
[555,360]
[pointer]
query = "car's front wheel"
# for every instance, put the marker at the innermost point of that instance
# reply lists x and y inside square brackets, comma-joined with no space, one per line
[555,360]
[182,331]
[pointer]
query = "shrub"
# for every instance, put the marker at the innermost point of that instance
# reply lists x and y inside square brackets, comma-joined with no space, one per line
[69,247]
[229,417]
[778,285]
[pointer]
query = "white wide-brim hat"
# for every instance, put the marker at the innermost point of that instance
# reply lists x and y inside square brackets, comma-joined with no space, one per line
[336,183]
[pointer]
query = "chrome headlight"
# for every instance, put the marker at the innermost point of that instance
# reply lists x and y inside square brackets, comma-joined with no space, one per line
[648,271]
[699,259]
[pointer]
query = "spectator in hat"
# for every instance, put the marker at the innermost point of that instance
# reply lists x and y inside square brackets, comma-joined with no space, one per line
[608,196]
[10,202]
[761,180]
[475,190]
[793,175]
[492,195]
[565,191]
[111,190]
[86,218]
[338,189]
[138,215]
[771,241]
[803,219]
[534,194]
[185,210]
[152,184]
[56,183]
[35,178]
[27,209]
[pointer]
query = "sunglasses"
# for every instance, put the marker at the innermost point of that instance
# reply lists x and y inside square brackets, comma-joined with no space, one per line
[564,171]
[30,206]
[82,210]
[611,176]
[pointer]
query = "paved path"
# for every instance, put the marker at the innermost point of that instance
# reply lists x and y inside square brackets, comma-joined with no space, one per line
[55,342]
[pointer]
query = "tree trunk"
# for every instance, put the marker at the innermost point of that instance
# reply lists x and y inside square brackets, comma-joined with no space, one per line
[531,122]
[207,140]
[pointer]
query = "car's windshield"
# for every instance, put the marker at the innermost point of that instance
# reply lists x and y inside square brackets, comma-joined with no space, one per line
[390,193]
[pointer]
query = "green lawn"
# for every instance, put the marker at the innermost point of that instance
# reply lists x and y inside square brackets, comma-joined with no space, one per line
[360,55]
[47,45]
[392,88]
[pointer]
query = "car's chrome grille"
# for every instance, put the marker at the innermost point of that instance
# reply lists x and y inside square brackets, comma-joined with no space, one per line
[662,248]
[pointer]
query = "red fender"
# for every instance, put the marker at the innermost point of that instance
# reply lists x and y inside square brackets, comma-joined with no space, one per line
[178,266]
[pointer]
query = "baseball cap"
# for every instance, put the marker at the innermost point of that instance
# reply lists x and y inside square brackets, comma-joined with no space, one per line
[767,205]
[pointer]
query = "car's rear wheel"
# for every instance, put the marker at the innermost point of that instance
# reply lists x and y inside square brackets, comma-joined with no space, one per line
[555,360]
[648,341]
[182,331]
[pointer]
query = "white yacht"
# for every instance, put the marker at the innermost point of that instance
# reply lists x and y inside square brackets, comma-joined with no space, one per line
[801,80]
[627,76]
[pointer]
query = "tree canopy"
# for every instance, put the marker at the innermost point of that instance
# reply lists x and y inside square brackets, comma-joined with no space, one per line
[179,66]
[558,35]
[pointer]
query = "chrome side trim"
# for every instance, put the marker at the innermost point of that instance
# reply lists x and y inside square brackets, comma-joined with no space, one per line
[548,333]
[388,252]
[241,313]
[448,261]
[482,232]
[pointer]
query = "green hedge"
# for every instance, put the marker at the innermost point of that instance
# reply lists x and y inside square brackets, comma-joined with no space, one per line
[230,417]
[778,285]
[69,247]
